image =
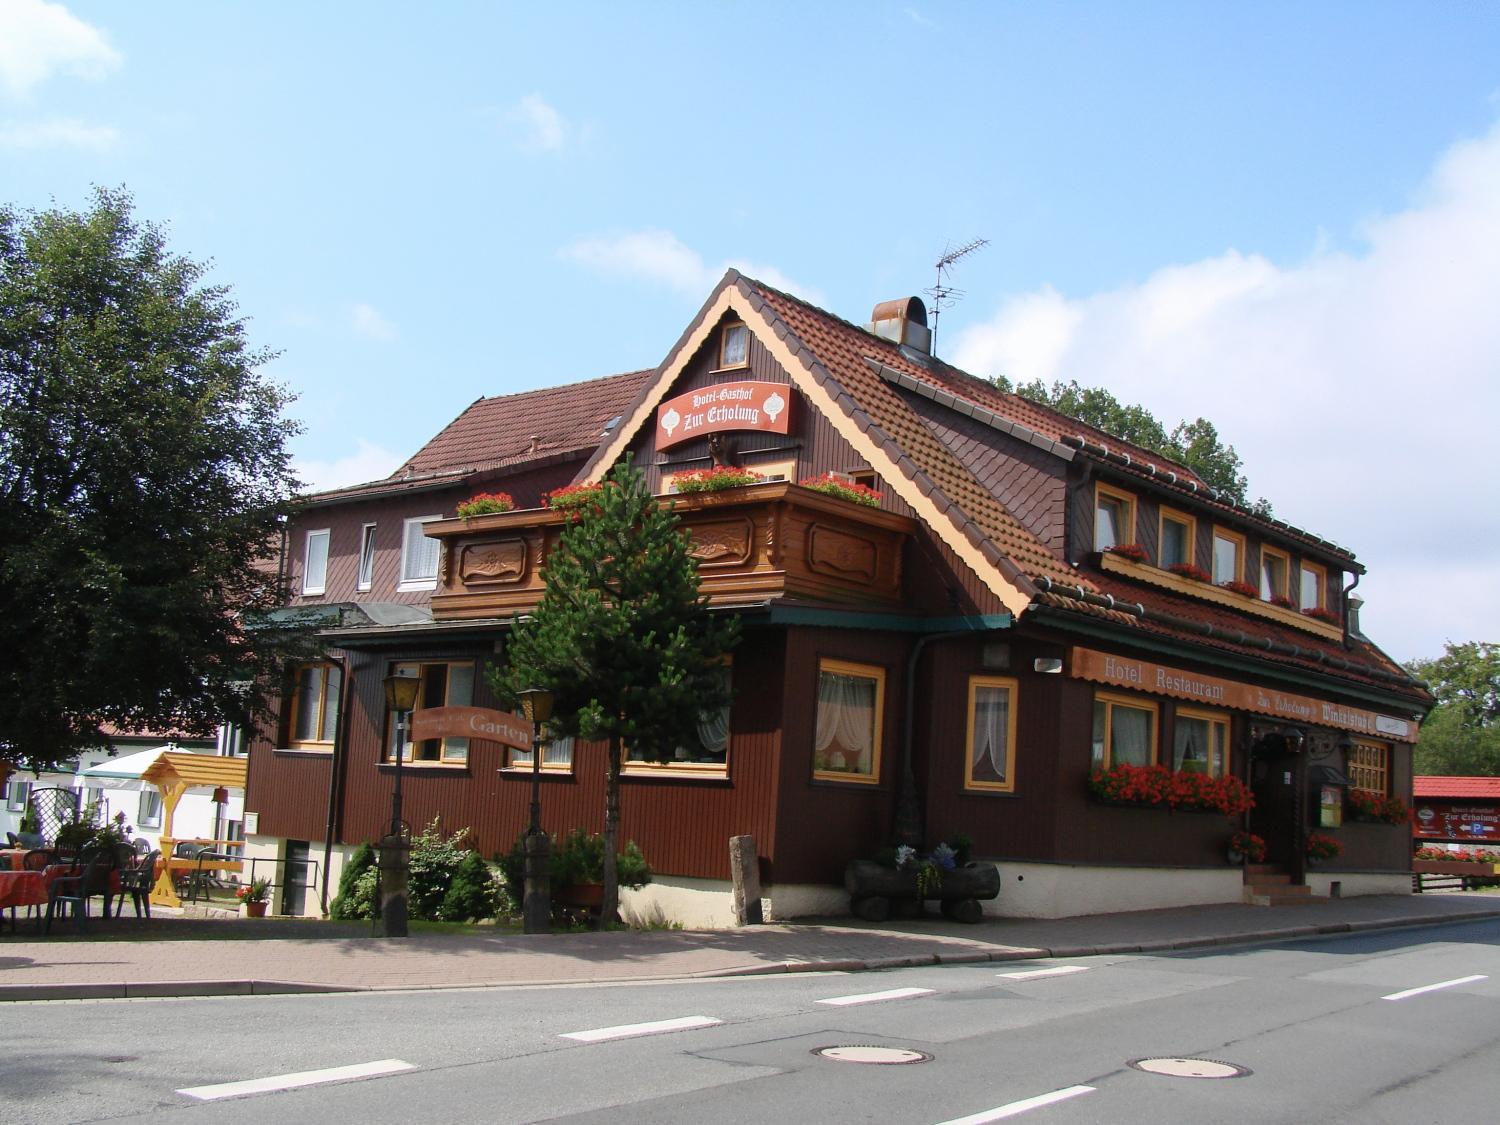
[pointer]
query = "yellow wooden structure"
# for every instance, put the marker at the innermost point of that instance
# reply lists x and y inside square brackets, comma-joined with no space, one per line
[175,772]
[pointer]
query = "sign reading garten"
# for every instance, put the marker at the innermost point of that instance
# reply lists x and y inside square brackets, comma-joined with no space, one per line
[745,405]
[1106,668]
[470,722]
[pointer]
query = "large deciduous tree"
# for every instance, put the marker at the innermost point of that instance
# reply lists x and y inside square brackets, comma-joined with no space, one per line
[143,477]
[1195,444]
[1461,736]
[623,639]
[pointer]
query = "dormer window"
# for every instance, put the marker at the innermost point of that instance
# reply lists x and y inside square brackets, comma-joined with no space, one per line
[1314,586]
[734,346]
[1177,544]
[1229,556]
[1114,517]
[1275,571]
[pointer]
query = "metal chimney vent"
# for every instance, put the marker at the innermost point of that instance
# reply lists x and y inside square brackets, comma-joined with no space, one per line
[903,321]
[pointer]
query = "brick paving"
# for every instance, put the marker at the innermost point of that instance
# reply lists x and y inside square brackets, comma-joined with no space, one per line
[201,956]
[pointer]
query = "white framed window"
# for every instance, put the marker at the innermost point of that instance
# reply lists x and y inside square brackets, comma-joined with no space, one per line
[366,557]
[315,562]
[734,350]
[443,684]
[846,736]
[148,814]
[1124,731]
[992,735]
[17,793]
[419,556]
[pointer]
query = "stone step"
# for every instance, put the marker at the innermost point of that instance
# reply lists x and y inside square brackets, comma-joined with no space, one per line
[1281,899]
[1267,878]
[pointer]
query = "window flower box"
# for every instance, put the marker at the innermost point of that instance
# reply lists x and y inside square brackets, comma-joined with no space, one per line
[485,503]
[1159,787]
[1318,613]
[1373,807]
[1282,600]
[855,493]
[1321,847]
[717,479]
[1190,570]
[1132,551]
[573,497]
[1237,587]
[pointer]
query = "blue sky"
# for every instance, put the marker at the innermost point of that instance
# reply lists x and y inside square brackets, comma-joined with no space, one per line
[1285,217]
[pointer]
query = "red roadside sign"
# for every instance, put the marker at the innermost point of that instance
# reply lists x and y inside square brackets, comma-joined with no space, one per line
[480,723]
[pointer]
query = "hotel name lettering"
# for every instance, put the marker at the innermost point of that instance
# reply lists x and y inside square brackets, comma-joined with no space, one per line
[1106,668]
[744,405]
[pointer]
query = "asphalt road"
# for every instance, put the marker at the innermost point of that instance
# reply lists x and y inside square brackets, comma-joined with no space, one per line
[1401,1027]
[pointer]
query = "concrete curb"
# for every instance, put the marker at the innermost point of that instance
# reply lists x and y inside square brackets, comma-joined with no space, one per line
[253,987]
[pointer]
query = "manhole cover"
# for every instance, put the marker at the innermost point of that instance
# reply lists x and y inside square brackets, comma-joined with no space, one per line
[1191,1068]
[880,1056]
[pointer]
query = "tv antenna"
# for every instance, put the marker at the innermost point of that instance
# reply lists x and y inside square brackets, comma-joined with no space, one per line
[943,295]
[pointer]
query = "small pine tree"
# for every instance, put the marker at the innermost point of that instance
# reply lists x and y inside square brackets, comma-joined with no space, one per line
[344,906]
[622,638]
[474,893]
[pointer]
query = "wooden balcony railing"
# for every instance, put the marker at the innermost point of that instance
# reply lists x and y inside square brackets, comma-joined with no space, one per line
[758,543]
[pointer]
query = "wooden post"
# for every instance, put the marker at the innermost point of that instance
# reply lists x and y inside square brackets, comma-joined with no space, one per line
[744,866]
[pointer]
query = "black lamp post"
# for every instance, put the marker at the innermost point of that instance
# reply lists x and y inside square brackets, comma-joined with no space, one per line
[536,911]
[395,846]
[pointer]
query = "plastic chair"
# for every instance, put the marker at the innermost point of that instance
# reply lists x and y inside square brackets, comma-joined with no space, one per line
[137,881]
[37,859]
[91,878]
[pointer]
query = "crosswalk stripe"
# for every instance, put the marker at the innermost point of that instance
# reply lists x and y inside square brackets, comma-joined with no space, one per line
[291,1081]
[624,1030]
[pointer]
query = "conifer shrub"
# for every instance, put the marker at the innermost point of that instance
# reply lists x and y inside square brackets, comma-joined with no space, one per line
[347,904]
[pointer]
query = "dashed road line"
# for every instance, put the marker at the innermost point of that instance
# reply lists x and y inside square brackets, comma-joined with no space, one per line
[625,1030]
[1055,971]
[1435,987]
[1015,1109]
[874,997]
[291,1081]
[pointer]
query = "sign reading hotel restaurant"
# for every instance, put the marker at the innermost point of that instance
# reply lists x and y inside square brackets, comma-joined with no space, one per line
[1142,675]
[1440,820]
[746,405]
[470,722]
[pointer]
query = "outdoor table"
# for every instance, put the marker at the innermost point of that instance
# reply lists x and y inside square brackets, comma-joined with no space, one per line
[10,858]
[23,888]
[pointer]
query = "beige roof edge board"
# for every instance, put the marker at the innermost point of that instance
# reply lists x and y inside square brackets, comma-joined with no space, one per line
[814,380]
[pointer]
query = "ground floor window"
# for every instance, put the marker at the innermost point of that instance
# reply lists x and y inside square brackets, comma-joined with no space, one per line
[315,706]
[557,753]
[443,684]
[16,795]
[1200,742]
[846,736]
[1124,731]
[148,814]
[1369,768]
[991,734]
[709,752]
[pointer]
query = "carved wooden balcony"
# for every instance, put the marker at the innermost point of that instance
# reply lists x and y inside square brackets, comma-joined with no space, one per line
[753,544]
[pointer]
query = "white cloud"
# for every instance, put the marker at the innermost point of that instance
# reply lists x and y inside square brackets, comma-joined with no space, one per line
[367,322]
[38,40]
[1360,388]
[58,133]
[659,256]
[545,128]
[368,462]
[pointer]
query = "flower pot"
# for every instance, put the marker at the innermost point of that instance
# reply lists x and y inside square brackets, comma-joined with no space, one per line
[873,889]
[1235,858]
[255,910]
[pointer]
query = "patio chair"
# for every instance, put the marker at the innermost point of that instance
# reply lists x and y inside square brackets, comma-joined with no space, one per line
[91,877]
[142,846]
[137,881]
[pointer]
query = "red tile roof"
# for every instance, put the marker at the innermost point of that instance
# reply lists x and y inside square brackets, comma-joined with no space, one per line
[1434,786]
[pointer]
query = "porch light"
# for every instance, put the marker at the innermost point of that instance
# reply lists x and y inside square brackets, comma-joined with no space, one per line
[1294,738]
[221,796]
[401,692]
[536,705]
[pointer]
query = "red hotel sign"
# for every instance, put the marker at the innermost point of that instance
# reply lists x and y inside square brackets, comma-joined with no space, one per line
[470,722]
[746,405]
[1142,675]
[1442,820]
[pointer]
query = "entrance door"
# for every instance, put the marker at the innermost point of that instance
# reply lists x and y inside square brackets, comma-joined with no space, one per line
[1275,778]
[294,889]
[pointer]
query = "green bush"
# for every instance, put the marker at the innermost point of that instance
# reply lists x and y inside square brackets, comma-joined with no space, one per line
[577,857]
[474,893]
[347,904]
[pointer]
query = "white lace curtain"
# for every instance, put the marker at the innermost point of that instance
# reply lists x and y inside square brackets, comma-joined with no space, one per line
[991,732]
[846,718]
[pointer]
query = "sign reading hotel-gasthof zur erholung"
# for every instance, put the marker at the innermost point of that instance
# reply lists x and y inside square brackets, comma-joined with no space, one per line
[745,405]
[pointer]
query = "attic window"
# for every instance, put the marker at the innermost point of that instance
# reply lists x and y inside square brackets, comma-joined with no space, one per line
[734,347]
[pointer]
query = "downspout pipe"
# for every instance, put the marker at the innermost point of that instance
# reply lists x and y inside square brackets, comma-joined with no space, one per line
[1348,590]
[908,822]
[335,770]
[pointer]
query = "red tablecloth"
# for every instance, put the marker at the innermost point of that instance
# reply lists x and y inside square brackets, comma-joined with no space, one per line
[23,888]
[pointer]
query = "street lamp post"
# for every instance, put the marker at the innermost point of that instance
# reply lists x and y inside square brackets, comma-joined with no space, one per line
[536,910]
[395,846]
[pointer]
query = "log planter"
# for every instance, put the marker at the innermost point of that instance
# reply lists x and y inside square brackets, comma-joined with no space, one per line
[875,890]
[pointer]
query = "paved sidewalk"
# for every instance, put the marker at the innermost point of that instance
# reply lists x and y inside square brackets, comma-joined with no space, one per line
[36,970]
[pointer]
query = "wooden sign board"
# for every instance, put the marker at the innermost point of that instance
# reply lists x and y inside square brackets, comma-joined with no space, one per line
[479,723]
[1442,820]
[1142,675]
[746,405]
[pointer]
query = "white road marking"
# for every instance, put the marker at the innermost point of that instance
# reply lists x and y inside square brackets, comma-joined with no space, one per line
[1013,1109]
[624,1030]
[872,997]
[1056,971]
[1434,987]
[290,1081]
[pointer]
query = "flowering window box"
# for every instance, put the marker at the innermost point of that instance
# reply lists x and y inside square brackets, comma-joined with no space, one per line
[1238,587]
[1189,570]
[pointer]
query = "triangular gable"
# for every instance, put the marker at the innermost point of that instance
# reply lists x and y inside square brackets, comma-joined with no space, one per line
[901,474]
